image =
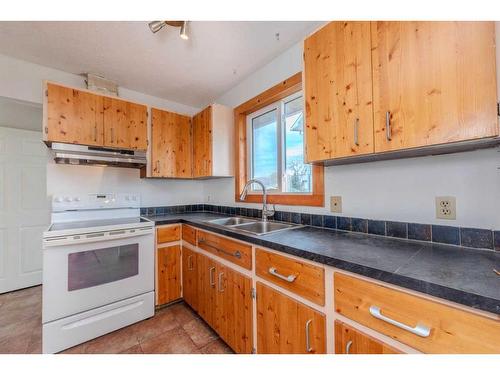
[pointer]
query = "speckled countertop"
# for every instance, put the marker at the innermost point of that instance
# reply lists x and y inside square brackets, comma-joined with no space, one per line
[453,273]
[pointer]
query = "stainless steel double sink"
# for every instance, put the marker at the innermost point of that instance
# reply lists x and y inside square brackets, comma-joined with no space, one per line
[257,227]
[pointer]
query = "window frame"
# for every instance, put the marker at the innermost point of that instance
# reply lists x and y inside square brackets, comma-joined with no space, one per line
[284,89]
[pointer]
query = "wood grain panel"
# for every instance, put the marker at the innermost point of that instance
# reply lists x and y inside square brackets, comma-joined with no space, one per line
[206,288]
[309,280]
[190,277]
[189,234]
[168,234]
[168,274]
[281,324]
[452,330]
[73,116]
[202,143]
[427,76]
[351,341]
[125,124]
[171,147]
[235,252]
[338,91]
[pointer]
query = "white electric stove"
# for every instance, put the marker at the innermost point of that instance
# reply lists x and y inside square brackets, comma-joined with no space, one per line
[98,268]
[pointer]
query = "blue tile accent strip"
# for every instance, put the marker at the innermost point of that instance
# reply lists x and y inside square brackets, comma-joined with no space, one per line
[469,237]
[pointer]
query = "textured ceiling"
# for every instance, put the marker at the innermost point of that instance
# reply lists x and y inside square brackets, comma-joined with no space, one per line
[195,72]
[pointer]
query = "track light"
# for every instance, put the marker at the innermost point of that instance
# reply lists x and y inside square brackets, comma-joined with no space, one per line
[156,26]
[183,34]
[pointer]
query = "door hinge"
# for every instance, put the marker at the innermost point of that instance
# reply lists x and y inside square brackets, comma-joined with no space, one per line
[46,92]
[253,351]
[498,109]
[46,130]
[254,293]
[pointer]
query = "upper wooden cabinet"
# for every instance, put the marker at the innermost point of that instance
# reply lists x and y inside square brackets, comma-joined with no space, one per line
[72,116]
[170,145]
[433,82]
[338,91]
[213,130]
[125,124]
[81,117]
[375,87]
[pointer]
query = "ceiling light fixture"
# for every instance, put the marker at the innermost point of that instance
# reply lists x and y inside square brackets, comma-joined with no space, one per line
[156,26]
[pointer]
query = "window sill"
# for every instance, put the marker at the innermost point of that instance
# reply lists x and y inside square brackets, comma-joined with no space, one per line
[315,200]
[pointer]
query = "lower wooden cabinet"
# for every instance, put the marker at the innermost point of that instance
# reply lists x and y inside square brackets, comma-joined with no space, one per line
[351,341]
[287,326]
[206,288]
[190,277]
[168,286]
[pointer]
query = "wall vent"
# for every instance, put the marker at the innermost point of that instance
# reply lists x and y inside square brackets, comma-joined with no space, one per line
[101,84]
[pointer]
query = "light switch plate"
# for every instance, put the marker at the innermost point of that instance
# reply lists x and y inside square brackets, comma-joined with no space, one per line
[336,204]
[446,208]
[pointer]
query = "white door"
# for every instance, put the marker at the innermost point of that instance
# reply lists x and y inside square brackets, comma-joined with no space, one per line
[24,207]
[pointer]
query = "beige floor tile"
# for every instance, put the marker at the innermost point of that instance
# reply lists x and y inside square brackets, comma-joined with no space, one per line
[217,347]
[175,341]
[113,342]
[133,350]
[183,313]
[199,332]
[163,320]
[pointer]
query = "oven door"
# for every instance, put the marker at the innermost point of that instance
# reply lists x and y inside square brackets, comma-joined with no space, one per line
[81,276]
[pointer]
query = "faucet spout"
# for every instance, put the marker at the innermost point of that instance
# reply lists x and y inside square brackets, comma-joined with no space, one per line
[243,196]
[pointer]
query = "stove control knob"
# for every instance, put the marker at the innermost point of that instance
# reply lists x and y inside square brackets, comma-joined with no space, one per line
[127,198]
[58,199]
[68,199]
[76,199]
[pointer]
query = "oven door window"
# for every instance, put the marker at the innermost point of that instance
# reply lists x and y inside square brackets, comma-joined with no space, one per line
[96,267]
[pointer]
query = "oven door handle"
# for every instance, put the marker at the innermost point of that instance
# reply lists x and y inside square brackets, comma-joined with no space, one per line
[96,237]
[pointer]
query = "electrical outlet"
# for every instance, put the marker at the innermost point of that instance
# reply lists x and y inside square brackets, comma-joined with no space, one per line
[336,204]
[446,208]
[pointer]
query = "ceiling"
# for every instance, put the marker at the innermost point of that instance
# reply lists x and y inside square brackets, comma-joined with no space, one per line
[195,72]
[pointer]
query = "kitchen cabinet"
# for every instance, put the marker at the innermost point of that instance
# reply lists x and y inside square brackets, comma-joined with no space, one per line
[169,233]
[206,288]
[338,91]
[72,116]
[287,326]
[433,83]
[351,341]
[234,251]
[168,287]
[125,124]
[171,145]
[190,277]
[213,130]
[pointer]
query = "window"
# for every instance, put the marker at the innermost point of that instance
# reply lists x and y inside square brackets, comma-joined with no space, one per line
[276,147]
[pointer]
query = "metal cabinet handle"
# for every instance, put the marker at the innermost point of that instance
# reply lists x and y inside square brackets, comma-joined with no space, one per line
[348,347]
[190,263]
[388,132]
[289,278]
[221,289]
[356,132]
[212,276]
[236,254]
[308,340]
[419,330]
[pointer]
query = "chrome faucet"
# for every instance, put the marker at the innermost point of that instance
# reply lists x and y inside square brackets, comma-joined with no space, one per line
[265,211]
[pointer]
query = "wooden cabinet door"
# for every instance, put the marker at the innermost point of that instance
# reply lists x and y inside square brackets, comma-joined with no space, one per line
[206,288]
[190,277]
[338,91]
[73,116]
[233,314]
[125,124]
[433,83]
[202,143]
[168,274]
[171,154]
[351,341]
[287,326]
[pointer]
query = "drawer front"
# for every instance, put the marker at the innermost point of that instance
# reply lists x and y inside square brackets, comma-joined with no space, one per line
[304,279]
[236,252]
[168,234]
[401,316]
[189,234]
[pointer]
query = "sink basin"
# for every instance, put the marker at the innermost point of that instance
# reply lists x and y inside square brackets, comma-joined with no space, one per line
[261,227]
[230,221]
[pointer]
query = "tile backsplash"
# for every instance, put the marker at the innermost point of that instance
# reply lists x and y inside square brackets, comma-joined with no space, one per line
[470,237]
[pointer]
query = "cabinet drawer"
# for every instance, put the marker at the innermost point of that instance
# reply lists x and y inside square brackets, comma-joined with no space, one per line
[304,279]
[236,252]
[426,325]
[189,234]
[168,234]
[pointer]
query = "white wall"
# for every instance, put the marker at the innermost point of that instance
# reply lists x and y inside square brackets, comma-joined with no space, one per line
[401,190]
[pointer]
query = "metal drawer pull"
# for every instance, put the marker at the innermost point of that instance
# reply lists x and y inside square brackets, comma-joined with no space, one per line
[212,276]
[190,263]
[388,133]
[419,330]
[348,347]
[221,289]
[356,131]
[236,254]
[308,340]
[289,278]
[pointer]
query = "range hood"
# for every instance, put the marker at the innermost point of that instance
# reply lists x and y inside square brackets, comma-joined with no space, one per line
[98,156]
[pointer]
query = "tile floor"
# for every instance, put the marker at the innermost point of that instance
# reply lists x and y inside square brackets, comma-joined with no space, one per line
[173,329]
